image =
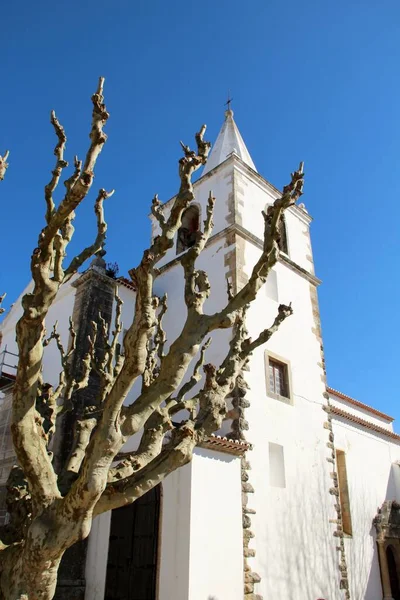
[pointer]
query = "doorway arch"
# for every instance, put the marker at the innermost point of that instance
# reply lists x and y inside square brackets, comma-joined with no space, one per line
[133,549]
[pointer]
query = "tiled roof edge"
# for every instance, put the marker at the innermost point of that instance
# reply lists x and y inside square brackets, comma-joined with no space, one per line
[223,444]
[359,404]
[350,417]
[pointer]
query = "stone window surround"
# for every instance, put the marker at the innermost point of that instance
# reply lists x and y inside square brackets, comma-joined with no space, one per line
[344,496]
[276,357]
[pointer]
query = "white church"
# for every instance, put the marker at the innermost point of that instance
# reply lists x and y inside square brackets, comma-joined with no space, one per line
[298,496]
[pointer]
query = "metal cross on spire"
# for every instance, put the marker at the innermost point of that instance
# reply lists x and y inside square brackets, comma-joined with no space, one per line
[228,102]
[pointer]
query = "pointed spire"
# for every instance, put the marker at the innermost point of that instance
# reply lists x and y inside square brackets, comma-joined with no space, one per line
[229,140]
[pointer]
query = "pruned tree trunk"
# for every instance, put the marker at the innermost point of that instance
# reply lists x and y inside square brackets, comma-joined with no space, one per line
[52,501]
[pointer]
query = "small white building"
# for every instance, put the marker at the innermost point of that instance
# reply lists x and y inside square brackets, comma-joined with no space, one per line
[283,502]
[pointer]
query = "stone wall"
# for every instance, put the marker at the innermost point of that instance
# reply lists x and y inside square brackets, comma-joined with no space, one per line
[94,296]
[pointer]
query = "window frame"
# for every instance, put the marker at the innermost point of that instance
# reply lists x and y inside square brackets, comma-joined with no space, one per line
[275,358]
[277,480]
[283,236]
[344,496]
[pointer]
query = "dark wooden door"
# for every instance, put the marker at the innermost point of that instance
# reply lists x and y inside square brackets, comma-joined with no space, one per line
[394,578]
[132,552]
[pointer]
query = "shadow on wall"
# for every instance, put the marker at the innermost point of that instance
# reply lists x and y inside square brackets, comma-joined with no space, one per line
[308,546]
[391,494]
[306,550]
[307,559]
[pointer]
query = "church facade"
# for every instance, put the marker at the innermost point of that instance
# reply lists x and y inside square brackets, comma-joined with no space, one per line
[296,497]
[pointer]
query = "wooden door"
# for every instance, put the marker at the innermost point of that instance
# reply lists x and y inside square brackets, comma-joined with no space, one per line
[132,552]
[393,574]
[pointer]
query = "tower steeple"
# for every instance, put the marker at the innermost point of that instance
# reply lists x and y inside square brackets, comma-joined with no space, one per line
[229,140]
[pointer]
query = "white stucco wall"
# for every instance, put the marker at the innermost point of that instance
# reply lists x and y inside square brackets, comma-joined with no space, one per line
[174,551]
[60,311]
[97,554]
[295,549]
[216,555]
[221,186]
[362,413]
[372,478]
[200,551]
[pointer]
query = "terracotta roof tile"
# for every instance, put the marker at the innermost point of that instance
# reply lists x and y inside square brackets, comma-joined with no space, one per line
[367,424]
[359,404]
[223,444]
[126,282]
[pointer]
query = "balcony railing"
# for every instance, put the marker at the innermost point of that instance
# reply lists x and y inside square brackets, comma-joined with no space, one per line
[8,366]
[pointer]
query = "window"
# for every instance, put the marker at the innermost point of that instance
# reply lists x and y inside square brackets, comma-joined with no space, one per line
[276,466]
[343,492]
[283,242]
[187,231]
[271,286]
[278,378]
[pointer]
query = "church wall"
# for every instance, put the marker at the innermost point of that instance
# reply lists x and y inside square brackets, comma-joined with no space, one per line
[216,546]
[212,260]
[252,197]
[221,186]
[360,412]
[200,550]
[295,550]
[128,297]
[60,311]
[174,542]
[174,551]
[372,478]
[96,557]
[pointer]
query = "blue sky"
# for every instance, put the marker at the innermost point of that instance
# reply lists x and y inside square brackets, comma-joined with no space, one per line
[311,80]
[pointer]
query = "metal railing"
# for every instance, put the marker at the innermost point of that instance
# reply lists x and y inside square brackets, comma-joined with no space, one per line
[8,364]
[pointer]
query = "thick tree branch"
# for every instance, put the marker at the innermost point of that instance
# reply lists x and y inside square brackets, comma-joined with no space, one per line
[197,285]
[131,483]
[1,301]
[175,454]
[155,346]
[29,445]
[178,403]
[78,186]
[291,193]
[283,312]
[60,165]
[157,211]
[114,348]
[100,238]
[3,164]
[158,424]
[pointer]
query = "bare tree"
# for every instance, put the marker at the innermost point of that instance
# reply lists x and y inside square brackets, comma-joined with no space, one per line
[52,508]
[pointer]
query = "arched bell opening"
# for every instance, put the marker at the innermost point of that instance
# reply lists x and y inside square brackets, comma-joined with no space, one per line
[190,226]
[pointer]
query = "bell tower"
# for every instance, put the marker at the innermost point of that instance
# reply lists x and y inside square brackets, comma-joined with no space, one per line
[278,407]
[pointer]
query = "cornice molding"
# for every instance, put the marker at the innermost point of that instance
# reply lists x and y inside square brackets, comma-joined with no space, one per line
[256,241]
[94,273]
[263,183]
